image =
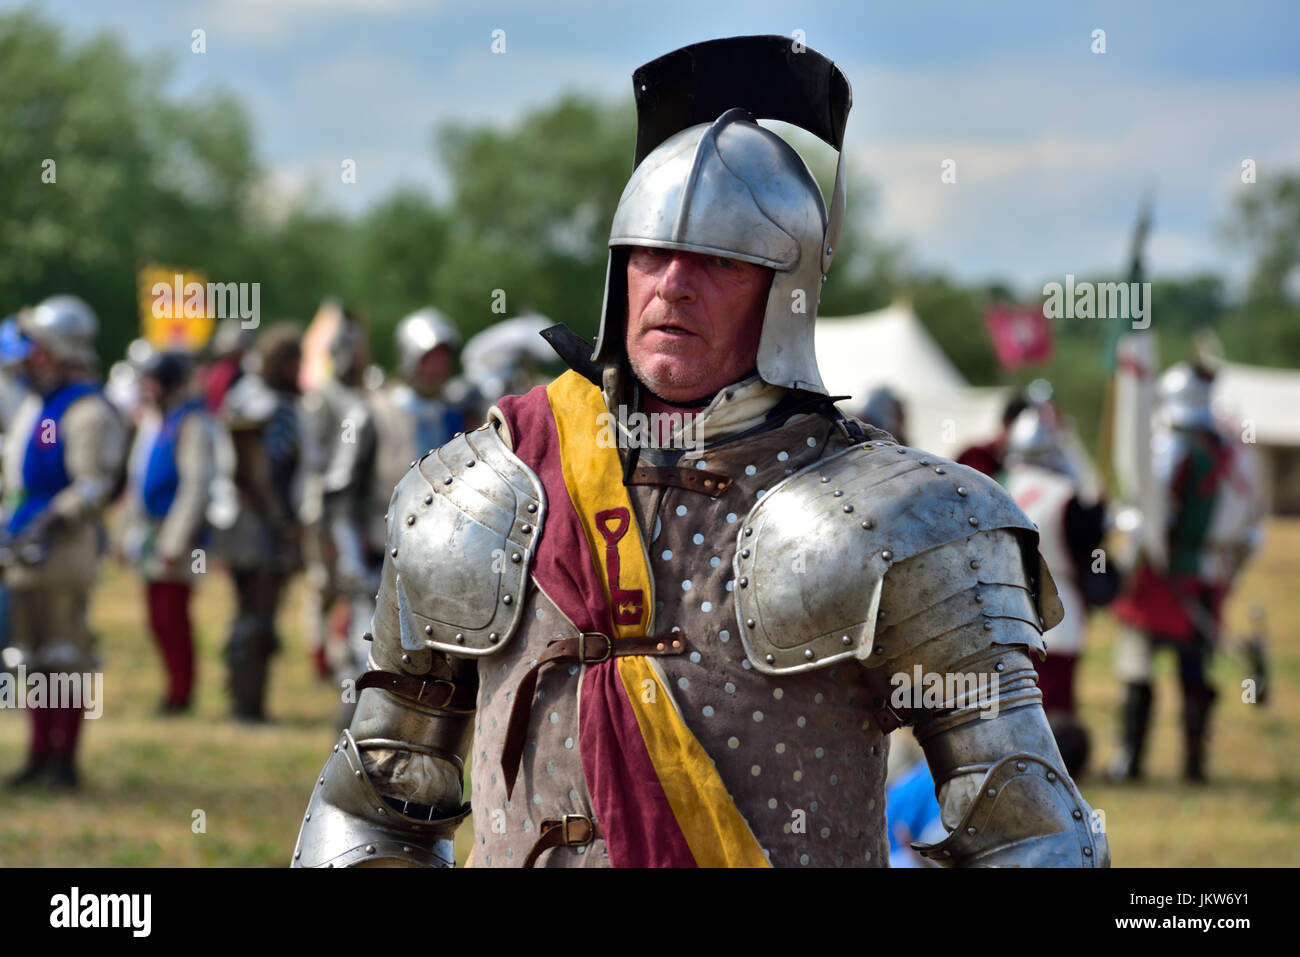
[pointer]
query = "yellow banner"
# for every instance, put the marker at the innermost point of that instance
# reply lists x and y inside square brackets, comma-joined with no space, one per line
[174,309]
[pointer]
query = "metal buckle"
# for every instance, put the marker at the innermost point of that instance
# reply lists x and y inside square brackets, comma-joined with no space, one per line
[582,647]
[566,820]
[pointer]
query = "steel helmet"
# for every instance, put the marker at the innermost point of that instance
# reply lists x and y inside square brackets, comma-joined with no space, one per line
[1185,397]
[66,326]
[420,332]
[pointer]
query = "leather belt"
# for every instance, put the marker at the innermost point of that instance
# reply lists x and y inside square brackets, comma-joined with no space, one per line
[712,484]
[437,693]
[589,648]
[571,830]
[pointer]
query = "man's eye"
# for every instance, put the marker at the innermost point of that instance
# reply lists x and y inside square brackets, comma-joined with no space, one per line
[726,263]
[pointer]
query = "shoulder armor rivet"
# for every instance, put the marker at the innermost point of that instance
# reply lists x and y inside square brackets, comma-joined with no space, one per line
[939,470]
[749,622]
[744,583]
[336,747]
[458,435]
[1087,852]
[1020,765]
[847,640]
[973,520]
[1040,620]
[974,563]
[381,810]
[370,848]
[744,553]
[447,480]
[770,659]
[992,791]
[839,492]
[1051,775]
[357,772]
[460,639]
[428,500]
[748,532]
[410,520]
[428,629]
[880,651]
[494,637]
[406,848]
[887,555]
[516,557]
[825,479]
[469,464]
[532,507]
[307,816]
[406,659]
[848,508]
[297,854]
[999,667]
[525,528]
[393,552]
[321,781]
[866,523]
[925,461]
[412,465]
[979,599]
[971,829]
[988,626]
[961,489]
[506,599]
[1077,814]
[368,636]
[809,654]
[902,451]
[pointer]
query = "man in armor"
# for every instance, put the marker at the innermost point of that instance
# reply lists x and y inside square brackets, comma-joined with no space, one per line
[675,641]
[261,546]
[63,454]
[1213,527]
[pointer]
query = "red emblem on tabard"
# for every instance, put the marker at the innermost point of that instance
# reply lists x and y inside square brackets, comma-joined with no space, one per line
[613,524]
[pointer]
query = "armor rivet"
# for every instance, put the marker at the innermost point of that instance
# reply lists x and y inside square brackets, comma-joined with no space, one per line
[848,508]
[506,599]
[1077,814]
[947,853]
[744,583]
[393,553]
[839,493]
[460,639]
[973,520]
[847,640]
[979,599]
[925,461]
[532,507]
[939,470]
[428,629]
[1020,765]
[809,654]
[410,520]
[412,465]
[370,848]
[999,667]
[880,651]
[516,557]
[988,626]
[494,637]
[381,810]
[749,622]
[336,747]
[367,637]
[961,490]
[887,555]
[867,523]
[428,500]
[526,528]
[992,791]
[307,816]
[971,829]
[825,480]
[744,553]
[748,532]
[771,659]
[1051,775]
[447,480]
[660,646]
[974,563]
[469,464]
[297,854]
[1087,852]
[357,772]
[677,644]
[406,848]
[321,781]
[902,451]
[406,659]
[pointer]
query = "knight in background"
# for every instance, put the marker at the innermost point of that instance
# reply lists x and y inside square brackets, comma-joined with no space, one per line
[64,451]
[691,651]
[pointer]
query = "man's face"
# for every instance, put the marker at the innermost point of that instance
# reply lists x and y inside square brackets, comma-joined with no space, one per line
[432,371]
[693,320]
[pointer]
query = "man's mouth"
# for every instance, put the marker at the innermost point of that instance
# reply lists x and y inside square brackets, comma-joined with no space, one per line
[671,329]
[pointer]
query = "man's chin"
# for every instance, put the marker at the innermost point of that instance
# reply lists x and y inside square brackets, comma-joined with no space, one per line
[673,381]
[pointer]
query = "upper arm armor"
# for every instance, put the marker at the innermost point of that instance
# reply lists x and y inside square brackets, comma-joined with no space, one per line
[817,554]
[462,529]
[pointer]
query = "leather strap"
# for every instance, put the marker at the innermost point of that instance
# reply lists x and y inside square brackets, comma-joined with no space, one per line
[712,484]
[590,648]
[437,693]
[571,830]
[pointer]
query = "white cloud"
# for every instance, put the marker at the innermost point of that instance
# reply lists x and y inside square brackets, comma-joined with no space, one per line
[271,20]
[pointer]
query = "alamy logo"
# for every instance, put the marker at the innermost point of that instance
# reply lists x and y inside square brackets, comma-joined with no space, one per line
[179,299]
[75,909]
[1093,300]
[62,689]
[932,691]
[648,430]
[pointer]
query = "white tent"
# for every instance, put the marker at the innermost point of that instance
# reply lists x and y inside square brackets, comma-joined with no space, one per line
[891,347]
[1262,403]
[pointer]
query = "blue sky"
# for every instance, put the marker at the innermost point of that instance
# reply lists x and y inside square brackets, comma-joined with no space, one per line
[1053,144]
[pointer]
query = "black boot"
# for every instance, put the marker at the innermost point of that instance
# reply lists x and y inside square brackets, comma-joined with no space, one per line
[1136,718]
[62,773]
[1196,719]
[32,773]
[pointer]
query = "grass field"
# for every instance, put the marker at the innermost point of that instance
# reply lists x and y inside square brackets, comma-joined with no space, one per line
[145,777]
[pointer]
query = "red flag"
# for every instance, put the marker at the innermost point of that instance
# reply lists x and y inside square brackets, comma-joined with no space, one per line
[1021,334]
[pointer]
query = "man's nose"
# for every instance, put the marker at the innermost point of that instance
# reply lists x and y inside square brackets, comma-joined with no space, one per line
[677,282]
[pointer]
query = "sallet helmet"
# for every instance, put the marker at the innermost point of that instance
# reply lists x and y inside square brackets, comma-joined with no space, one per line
[66,326]
[1185,397]
[730,187]
[419,332]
